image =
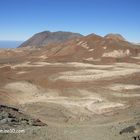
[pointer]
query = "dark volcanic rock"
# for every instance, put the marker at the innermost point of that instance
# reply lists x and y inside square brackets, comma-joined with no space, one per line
[12,116]
[46,38]
[129,129]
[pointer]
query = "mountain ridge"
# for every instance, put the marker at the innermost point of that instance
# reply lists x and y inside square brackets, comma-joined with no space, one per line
[46,38]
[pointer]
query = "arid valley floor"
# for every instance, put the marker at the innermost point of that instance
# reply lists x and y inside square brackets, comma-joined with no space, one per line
[77,100]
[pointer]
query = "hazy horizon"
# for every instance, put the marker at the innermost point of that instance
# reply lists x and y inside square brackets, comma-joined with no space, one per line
[9,43]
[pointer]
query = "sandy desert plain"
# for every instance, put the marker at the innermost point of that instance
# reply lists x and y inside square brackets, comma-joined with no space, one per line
[68,100]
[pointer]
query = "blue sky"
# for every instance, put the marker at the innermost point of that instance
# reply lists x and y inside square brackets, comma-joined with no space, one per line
[20,19]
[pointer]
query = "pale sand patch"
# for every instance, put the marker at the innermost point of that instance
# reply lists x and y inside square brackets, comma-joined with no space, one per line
[91,76]
[125,94]
[69,64]
[92,59]
[28,93]
[25,92]
[43,57]
[137,57]
[53,96]
[29,64]
[90,103]
[127,65]
[40,63]
[86,95]
[37,64]
[91,50]
[117,53]
[87,65]
[84,45]
[25,64]
[120,87]
[79,43]
[24,87]
[5,65]
[73,64]
[69,102]
[77,64]
[82,72]
[21,72]
[89,59]
[105,107]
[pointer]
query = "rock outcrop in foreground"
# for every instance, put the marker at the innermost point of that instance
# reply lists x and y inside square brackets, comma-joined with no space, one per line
[13,117]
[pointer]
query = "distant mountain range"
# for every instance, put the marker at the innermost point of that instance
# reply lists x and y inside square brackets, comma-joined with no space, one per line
[50,38]
[66,46]
[73,47]
[9,44]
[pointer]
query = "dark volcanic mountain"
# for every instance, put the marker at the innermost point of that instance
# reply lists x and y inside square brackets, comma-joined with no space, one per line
[46,38]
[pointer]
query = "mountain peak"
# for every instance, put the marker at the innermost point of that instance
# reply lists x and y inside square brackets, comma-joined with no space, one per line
[94,36]
[46,38]
[115,37]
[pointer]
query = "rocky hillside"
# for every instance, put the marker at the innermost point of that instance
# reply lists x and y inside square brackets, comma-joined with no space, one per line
[92,48]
